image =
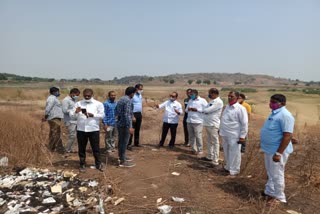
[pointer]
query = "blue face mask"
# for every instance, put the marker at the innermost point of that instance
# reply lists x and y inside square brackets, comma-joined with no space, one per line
[193,96]
[57,94]
[75,97]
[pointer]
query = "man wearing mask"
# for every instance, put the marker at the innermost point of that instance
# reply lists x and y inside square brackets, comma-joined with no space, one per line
[233,130]
[53,114]
[124,124]
[88,113]
[211,122]
[185,117]
[242,101]
[170,118]
[109,121]
[195,107]
[137,113]
[71,124]
[275,139]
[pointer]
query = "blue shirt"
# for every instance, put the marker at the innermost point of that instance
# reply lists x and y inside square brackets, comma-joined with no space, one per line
[137,102]
[271,134]
[109,112]
[124,112]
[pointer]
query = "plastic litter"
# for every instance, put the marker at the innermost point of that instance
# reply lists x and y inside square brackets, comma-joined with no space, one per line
[177,199]
[118,201]
[165,209]
[175,173]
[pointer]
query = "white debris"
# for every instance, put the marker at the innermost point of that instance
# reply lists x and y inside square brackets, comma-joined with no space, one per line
[77,203]
[93,183]
[69,198]
[145,197]
[177,199]
[175,173]
[2,201]
[159,200]
[4,161]
[292,212]
[49,200]
[165,209]
[108,199]
[26,172]
[57,209]
[118,201]
[83,189]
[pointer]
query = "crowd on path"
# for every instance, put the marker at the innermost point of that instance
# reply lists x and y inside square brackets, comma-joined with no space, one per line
[123,118]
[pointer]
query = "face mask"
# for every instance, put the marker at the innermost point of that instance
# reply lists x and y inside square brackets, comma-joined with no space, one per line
[88,101]
[193,96]
[274,106]
[57,94]
[140,91]
[75,97]
[111,99]
[172,99]
[232,102]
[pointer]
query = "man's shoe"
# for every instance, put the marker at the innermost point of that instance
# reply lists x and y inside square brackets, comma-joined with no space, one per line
[82,168]
[205,159]
[100,167]
[186,145]
[171,147]
[126,164]
[138,145]
[129,159]
[129,148]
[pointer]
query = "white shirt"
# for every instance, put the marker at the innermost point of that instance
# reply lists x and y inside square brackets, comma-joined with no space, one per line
[89,124]
[234,121]
[196,116]
[67,106]
[212,113]
[170,116]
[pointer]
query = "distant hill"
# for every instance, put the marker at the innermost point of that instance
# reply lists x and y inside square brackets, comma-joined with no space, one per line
[14,77]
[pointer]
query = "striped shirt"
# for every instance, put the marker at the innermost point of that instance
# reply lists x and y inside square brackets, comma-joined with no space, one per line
[53,108]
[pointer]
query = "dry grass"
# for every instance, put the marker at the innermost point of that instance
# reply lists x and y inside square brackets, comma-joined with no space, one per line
[22,140]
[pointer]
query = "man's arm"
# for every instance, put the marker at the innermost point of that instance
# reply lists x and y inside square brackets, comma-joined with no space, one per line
[243,119]
[214,107]
[49,106]
[65,106]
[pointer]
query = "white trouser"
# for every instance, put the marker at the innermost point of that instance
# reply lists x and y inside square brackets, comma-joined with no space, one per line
[195,136]
[232,154]
[275,170]
[110,135]
[72,132]
[213,144]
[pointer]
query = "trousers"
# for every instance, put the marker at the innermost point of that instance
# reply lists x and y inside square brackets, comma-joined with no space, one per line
[72,134]
[232,154]
[213,144]
[195,136]
[55,142]
[94,138]
[173,131]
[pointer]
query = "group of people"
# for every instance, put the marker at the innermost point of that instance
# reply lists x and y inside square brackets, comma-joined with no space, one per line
[230,122]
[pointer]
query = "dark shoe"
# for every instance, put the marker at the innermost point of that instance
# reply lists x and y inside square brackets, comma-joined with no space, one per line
[171,147]
[82,168]
[129,148]
[126,164]
[205,159]
[138,145]
[100,167]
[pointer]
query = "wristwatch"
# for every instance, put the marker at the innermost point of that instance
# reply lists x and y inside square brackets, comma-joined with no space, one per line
[278,153]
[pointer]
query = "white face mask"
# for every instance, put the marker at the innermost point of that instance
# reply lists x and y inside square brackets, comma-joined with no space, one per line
[140,91]
[88,101]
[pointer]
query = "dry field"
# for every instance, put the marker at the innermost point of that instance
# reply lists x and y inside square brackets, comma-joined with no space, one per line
[24,139]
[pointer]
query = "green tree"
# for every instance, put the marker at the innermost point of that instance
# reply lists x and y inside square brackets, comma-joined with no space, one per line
[199,82]
[190,82]
[206,82]
[171,81]
[165,80]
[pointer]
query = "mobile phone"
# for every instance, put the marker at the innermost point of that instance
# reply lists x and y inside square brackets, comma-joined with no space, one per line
[84,111]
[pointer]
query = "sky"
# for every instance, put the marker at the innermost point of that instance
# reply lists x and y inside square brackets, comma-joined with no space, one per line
[117,38]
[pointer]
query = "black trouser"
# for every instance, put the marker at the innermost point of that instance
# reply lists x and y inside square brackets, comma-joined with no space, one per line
[173,131]
[185,129]
[94,138]
[136,125]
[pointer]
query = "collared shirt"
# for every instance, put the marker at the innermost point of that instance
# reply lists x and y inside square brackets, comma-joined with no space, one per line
[170,116]
[124,112]
[212,113]
[247,106]
[196,116]
[53,108]
[67,106]
[90,124]
[234,121]
[137,102]
[271,134]
[185,101]
[109,111]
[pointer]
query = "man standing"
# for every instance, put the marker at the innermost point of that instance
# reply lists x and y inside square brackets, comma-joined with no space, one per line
[195,108]
[88,112]
[137,113]
[109,121]
[53,114]
[275,138]
[185,117]
[71,124]
[170,118]
[124,125]
[233,130]
[211,122]
[242,101]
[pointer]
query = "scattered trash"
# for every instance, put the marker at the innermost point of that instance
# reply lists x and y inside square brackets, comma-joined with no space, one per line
[109,190]
[49,200]
[108,199]
[77,203]
[83,189]
[118,201]
[292,212]
[175,173]
[165,209]
[249,176]
[145,197]
[154,150]
[159,200]
[4,161]
[176,199]
[177,164]
[93,183]
[155,186]
[100,207]
[69,198]
[92,167]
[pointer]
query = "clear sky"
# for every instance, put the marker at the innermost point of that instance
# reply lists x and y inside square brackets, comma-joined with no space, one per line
[116,38]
